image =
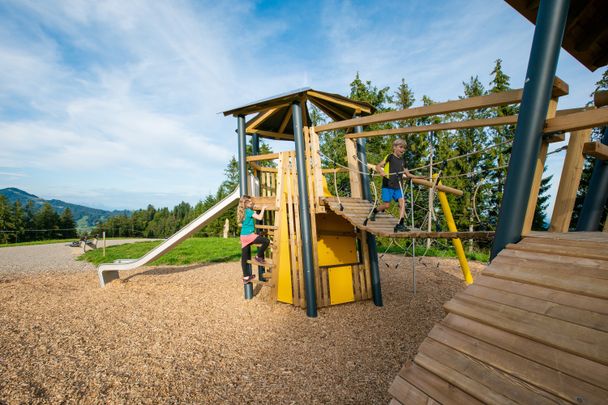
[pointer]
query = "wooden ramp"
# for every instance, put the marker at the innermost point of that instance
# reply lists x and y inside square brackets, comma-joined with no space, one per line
[532,329]
[356,211]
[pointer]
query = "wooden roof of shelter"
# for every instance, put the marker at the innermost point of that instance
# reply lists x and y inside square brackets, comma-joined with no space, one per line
[273,115]
[586,33]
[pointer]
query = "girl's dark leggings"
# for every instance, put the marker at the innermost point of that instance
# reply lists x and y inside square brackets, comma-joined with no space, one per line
[246,255]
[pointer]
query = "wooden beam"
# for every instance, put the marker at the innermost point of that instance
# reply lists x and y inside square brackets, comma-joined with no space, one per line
[600,98]
[569,181]
[285,120]
[358,108]
[259,119]
[334,113]
[263,168]
[577,121]
[488,122]
[270,134]
[538,173]
[427,183]
[596,149]
[268,156]
[353,167]
[491,100]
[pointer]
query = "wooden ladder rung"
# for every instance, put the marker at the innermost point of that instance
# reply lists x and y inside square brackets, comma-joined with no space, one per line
[254,263]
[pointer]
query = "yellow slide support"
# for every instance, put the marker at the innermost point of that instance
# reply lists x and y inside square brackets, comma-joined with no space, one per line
[464,265]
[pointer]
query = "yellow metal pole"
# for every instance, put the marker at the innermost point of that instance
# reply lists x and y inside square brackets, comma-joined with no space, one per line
[464,265]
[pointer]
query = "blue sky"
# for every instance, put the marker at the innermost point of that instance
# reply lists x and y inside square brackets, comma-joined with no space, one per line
[115,104]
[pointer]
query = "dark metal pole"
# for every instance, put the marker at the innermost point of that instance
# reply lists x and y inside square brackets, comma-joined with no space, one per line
[597,194]
[248,288]
[550,24]
[305,227]
[371,239]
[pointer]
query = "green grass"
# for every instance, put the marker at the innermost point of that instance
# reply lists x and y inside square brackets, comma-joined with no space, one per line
[193,250]
[480,256]
[37,242]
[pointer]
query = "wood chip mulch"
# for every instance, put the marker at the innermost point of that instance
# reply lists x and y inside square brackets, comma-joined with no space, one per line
[186,335]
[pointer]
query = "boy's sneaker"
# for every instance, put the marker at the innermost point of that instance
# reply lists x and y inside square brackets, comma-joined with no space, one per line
[248,279]
[400,228]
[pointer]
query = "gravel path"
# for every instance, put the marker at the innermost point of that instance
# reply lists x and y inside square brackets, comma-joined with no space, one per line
[56,257]
[186,335]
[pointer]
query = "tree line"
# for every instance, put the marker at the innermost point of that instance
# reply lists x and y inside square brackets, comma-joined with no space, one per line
[20,223]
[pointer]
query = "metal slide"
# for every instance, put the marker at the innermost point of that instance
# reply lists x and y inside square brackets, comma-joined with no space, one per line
[109,271]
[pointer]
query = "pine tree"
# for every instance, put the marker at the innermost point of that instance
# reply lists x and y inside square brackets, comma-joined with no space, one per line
[18,222]
[539,222]
[67,224]
[47,223]
[6,222]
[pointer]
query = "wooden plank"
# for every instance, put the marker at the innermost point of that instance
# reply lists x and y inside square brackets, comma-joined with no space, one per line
[267,156]
[466,384]
[557,249]
[578,367]
[433,386]
[428,184]
[486,383]
[535,305]
[563,269]
[578,340]
[597,305]
[596,149]
[572,239]
[551,258]
[406,393]
[492,100]
[569,181]
[585,286]
[488,122]
[542,377]
[593,236]
[577,121]
[538,174]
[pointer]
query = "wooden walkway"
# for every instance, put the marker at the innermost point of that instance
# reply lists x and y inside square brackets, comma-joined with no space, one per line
[532,329]
[356,211]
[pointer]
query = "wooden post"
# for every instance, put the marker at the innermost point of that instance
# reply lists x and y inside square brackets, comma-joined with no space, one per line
[538,174]
[104,243]
[226,227]
[569,181]
[353,168]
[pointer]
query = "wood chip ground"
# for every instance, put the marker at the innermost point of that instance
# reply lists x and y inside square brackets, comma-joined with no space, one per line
[186,335]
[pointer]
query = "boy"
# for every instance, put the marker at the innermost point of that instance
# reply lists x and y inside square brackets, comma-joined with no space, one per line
[392,168]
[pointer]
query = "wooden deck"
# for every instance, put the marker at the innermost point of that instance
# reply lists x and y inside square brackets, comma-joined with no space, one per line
[356,211]
[533,328]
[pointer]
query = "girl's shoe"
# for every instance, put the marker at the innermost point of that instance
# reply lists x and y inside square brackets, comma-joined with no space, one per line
[248,279]
[260,261]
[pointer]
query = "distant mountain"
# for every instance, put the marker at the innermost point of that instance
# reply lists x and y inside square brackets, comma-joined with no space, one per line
[83,216]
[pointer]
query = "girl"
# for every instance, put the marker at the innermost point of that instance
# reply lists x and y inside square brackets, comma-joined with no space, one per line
[247,216]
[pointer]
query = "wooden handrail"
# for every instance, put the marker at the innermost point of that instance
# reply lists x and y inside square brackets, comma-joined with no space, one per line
[577,121]
[267,156]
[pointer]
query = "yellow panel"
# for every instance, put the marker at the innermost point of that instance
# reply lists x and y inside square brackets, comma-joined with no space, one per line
[284,290]
[341,285]
[336,250]
[326,192]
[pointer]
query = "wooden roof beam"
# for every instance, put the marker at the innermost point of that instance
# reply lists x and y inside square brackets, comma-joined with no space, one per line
[273,135]
[286,119]
[358,108]
[327,108]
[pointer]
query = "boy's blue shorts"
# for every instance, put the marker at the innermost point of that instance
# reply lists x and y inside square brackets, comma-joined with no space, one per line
[389,194]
